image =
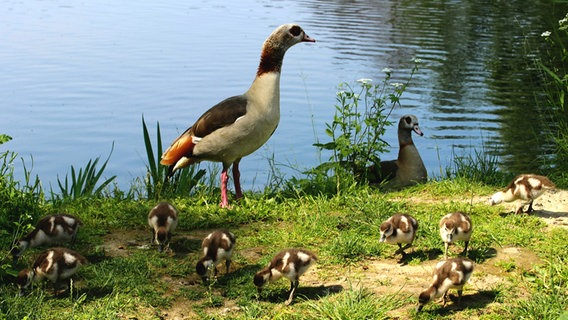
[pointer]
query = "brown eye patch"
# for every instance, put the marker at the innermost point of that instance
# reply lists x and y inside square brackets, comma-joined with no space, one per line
[295,31]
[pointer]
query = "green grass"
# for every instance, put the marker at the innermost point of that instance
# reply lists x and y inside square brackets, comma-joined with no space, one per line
[342,230]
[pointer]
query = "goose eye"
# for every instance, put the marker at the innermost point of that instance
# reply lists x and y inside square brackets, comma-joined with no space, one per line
[408,120]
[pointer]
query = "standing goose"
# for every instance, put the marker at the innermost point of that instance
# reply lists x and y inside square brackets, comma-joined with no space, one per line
[163,219]
[448,274]
[55,264]
[217,246]
[408,169]
[399,229]
[454,227]
[49,230]
[289,263]
[525,187]
[239,125]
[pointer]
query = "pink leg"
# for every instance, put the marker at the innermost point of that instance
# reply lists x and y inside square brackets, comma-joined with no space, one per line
[224,179]
[237,179]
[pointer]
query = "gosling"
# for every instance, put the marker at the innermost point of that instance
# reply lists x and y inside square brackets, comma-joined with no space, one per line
[526,187]
[448,274]
[399,229]
[56,264]
[455,227]
[217,246]
[163,220]
[52,229]
[289,263]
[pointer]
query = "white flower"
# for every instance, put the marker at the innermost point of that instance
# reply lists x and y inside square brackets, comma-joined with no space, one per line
[387,70]
[417,60]
[365,80]
[397,84]
[563,21]
[546,34]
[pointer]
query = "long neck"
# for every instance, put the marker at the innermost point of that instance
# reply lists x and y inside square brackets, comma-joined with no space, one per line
[265,91]
[271,59]
[407,150]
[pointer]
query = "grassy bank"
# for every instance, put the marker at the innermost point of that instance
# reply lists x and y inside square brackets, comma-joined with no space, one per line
[520,261]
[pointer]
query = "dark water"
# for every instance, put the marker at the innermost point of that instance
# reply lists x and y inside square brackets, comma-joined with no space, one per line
[77,77]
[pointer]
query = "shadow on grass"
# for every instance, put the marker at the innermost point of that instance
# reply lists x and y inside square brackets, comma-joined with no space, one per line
[480,255]
[302,293]
[184,246]
[421,255]
[478,300]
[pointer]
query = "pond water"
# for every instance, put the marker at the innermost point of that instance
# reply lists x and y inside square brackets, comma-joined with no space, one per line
[77,77]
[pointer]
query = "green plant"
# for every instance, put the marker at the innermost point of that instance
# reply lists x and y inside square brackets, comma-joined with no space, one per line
[84,182]
[553,64]
[361,115]
[20,205]
[158,184]
[477,167]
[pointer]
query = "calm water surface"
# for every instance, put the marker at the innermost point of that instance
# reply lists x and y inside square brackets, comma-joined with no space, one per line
[77,77]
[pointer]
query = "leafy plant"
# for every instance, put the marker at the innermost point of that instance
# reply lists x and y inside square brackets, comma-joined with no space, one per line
[4,138]
[84,182]
[478,166]
[553,64]
[21,204]
[361,115]
[158,184]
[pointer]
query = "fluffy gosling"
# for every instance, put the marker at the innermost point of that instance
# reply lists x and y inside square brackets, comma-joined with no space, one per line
[455,227]
[526,187]
[49,230]
[163,219]
[289,263]
[448,274]
[217,246]
[399,229]
[55,264]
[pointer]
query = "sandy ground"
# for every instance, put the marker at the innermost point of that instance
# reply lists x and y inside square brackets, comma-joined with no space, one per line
[382,276]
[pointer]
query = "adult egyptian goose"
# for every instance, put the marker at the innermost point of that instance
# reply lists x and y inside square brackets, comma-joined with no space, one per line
[526,187]
[448,274]
[163,220]
[399,229]
[55,264]
[239,125]
[454,227]
[289,263]
[49,230]
[408,169]
[217,246]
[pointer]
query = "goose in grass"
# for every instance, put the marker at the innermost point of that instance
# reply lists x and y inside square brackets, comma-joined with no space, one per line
[399,229]
[289,263]
[216,247]
[525,187]
[52,229]
[408,169]
[448,274]
[163,220]
[454,227]
[237,126]
[56,265]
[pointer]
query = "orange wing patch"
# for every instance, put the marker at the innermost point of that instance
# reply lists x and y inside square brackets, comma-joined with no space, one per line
[183,146]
